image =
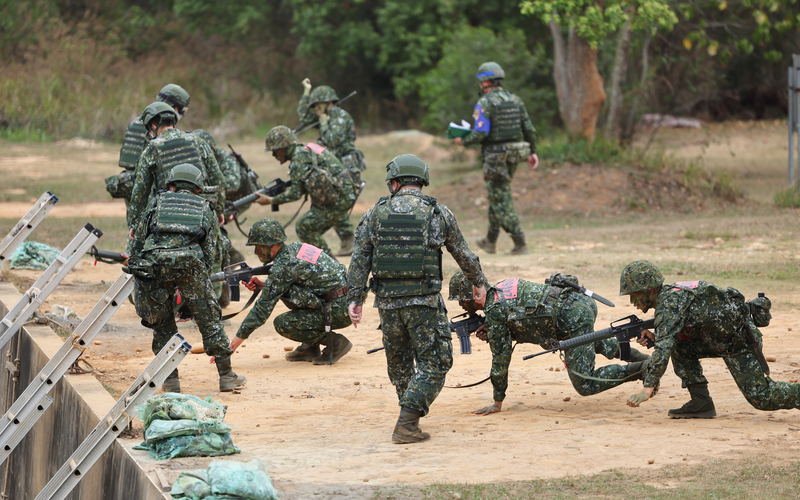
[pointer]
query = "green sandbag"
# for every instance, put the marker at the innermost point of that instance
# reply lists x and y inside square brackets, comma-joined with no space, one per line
[191,486]
[203,445]
[33,255]
[162,429]
[226,480]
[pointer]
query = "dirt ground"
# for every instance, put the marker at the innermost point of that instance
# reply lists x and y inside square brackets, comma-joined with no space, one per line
[325,430]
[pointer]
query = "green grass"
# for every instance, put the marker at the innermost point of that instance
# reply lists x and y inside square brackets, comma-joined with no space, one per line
[24,134]
[716,479]
[788,198]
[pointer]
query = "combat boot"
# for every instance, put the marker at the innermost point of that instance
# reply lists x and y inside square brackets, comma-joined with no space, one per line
[700,406]
[228,380]
[520,248]
[172,382]
[407,428]
[347,246]
[330,355]
[303,352]
[489,244]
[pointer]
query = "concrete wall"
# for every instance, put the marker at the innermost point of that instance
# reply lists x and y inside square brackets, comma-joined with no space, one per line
[79,402]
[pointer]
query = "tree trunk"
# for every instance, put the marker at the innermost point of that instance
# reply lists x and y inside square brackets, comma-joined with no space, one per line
[578,83]
[613,128]
[633,112]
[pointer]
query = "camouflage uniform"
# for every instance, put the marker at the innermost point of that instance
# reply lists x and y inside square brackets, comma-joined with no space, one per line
[501,124]
[560,314]
[167,239]
[151,175]
[338,135]
[694,321]
[300,284]
[416,335]
[313,224]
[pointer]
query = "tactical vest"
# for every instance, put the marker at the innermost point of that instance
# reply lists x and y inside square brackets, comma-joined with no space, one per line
[506,118]
[173,152]
[175,230]
[716,314]
[535,309]
[132,145]
[403,262]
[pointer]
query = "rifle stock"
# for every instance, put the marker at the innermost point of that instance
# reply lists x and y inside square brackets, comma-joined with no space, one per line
[106,257]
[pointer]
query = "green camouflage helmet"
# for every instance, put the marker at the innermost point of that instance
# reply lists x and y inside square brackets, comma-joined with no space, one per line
[206,136]
[175,96]
[490,71]
[460,287]
[639,276]
[280,137]
[266,232]
[185,173]
[323,93]
[158,112]
[407,169]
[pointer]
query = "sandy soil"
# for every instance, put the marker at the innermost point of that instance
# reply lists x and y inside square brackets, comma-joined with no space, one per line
[326,429]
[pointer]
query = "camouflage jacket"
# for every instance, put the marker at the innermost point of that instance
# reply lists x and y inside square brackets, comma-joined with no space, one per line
[143,240]
[444,232]
[339,134]
[230,169]
[686,310]
[519,318]
[300,275]
[144,184]
[484,114]
[300,168]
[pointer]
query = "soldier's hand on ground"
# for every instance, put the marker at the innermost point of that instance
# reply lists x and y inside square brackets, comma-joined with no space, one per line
[355,314]
[481,333]
[533,161]
[640,397]
[488,410]
[263,199]
[306,86]
[235,343]
[458,141]
[131,234]
[324,119]
[253,284]
[647,339]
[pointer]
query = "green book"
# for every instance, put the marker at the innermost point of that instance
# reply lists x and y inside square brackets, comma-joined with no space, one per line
[455,130]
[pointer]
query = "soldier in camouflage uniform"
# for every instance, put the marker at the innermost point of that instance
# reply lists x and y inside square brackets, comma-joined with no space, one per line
[120,186]
[310,283]
[696,320]
[172,249]
[561,313]
[317,173]
[399,241]
[337,132]
[507,137]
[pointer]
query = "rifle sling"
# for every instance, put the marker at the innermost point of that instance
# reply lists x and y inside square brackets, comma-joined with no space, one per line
[296,213]
[482,381]
[249,303]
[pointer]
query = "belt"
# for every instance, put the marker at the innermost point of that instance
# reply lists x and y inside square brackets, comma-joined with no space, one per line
[335,294]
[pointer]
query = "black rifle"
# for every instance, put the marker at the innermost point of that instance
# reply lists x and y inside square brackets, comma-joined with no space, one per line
[561,282]
[461,328]
[106,257]
[623,332]
[235,273]
[250,172]
[278,186]
[305,126]
[464,327]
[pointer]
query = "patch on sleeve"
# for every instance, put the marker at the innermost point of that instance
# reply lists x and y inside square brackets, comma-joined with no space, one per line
[315,148]
[309,253]
[509,288]
[687,284]
[482,124]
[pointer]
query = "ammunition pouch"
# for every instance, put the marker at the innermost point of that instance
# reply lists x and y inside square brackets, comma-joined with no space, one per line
[140,268]
[172,263]
[759,310]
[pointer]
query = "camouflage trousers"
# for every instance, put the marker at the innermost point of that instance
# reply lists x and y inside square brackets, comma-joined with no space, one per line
[313,224]
[221,259]
[497,173]
[581,361]
[154,305]
[354,166]
[761,392]
[419,353]
[308,325]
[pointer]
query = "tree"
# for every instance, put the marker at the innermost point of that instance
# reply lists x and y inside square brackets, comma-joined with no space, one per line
[579,85]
